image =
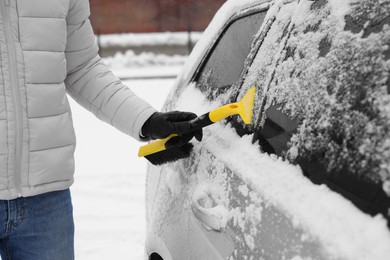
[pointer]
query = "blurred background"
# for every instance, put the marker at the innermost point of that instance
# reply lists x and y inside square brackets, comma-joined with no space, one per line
[151,16]
[145,43]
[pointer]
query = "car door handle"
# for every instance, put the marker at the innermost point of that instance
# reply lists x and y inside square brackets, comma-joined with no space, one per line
[215,216]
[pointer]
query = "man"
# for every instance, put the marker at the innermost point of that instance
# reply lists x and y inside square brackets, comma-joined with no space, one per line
[47,48]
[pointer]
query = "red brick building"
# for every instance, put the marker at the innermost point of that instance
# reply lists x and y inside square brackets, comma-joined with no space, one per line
[121,16]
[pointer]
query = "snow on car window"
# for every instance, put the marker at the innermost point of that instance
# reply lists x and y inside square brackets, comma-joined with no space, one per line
[263,66]
[332,75]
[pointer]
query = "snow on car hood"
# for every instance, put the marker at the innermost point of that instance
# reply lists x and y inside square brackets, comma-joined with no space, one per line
[345,231]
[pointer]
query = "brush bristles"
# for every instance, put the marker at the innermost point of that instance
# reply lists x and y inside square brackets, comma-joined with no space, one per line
[170,155]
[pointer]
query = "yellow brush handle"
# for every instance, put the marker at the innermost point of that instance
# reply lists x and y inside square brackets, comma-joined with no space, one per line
[154,147]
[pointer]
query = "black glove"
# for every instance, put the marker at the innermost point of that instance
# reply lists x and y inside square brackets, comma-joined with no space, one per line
[161,125]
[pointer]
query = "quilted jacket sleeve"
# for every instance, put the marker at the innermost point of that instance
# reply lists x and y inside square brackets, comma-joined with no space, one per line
[90,82]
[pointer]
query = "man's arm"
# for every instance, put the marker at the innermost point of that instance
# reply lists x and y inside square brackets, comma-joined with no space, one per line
[90,82]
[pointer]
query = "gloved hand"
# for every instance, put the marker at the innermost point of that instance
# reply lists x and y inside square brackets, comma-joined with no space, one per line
[161,125]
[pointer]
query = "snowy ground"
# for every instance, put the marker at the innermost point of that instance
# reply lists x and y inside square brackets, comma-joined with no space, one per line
[151,39]
[108,194]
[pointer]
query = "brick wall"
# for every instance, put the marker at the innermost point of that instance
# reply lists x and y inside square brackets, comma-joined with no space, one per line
[121,16]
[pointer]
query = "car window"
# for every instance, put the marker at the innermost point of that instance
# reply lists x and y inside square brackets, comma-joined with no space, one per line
[260,72]
[225,63]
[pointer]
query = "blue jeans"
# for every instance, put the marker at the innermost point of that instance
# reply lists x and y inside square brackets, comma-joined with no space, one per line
[37,228]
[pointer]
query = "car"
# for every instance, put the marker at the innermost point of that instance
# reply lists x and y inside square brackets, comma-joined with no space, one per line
[310,177]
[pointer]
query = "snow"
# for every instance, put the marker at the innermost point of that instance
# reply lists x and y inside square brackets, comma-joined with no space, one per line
[244,190]
[307,73]
[340,9]
[145,65]
[346,232]
[108,194]
[386,187]
[173,181]
[142,73]
[207,199]
[302,11]
[130,59]
[147,39]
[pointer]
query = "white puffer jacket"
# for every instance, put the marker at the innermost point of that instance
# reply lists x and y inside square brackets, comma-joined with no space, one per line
[47,48]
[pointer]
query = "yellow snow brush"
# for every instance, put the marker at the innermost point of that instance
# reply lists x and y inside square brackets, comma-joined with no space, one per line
[156,151]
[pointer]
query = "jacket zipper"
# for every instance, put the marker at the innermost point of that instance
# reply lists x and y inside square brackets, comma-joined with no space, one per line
[15,90]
